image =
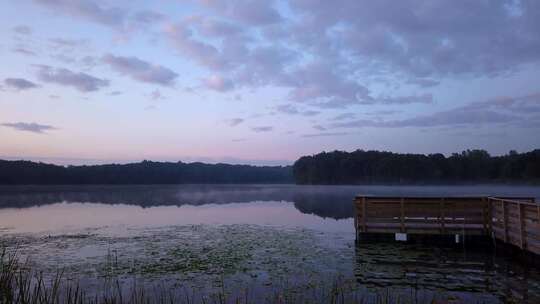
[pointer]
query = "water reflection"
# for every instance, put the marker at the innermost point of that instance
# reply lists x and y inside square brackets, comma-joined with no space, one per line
[323,201]
[120,219]
[331,202]
[466,272]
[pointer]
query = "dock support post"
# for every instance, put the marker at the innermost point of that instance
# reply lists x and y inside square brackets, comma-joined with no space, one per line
[489,207]
[485,215]
[520,217]
[505,219]
[355,214]
[442,215]
[402,215]
[364,229]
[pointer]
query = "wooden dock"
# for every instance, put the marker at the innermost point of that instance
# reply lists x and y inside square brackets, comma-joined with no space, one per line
[511,220]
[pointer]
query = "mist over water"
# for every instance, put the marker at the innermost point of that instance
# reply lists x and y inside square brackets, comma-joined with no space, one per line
[323,201]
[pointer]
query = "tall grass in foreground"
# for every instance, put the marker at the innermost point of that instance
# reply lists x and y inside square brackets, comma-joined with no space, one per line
[19,284]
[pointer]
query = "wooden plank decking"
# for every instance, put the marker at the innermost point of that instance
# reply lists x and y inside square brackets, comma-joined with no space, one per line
[512,220]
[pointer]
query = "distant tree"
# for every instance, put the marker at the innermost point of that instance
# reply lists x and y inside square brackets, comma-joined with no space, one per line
[145,172]
[365,167]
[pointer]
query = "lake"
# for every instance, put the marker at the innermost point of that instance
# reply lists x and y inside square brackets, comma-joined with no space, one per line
[253,241]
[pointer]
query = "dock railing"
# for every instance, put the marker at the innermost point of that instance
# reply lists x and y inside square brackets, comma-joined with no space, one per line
[516,221]
[512,220]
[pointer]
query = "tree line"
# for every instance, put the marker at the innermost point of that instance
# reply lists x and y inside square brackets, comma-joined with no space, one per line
[332,168]
[369,167]
[145,172]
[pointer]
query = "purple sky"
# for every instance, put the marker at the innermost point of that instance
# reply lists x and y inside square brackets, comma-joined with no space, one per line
[264,82]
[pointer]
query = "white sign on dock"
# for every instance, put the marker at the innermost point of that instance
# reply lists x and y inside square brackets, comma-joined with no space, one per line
[401,237]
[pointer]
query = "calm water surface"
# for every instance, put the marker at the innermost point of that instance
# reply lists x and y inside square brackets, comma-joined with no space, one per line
[264,236]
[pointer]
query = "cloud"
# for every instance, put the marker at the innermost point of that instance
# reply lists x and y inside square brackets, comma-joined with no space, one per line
[325,134]
[367,99]
[20,83]
[423,82]
[414,38]
[382,112]
[516,111]
[148,17]
[156,95]
[141,70]
[523,105]
[319,127]
[212,27]
[459,116]
[310,113]
[323,86]
[99,12]
[227,51]
[325,53]
[344,116]
[28,127]
[401,100]
[264,64]
[287,109]
[80,81]
[69,43]
[321,83]
[204,53]
[24,51]
[87,9]
[262,129]
[234,122]
[218,83]
[293,110]
[64,58]
[23,30]
[88,61]
[250,12]
[496,135]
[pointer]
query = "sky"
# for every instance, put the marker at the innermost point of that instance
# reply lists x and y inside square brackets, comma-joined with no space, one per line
[265,82]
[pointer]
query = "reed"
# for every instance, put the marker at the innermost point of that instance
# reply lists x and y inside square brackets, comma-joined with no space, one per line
[20,284]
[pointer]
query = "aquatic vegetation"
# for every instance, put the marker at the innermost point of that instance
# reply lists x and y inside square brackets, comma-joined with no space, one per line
[20,284]
[244,264]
